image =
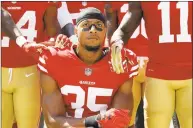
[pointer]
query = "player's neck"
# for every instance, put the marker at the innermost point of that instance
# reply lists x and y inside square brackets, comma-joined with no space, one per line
[89,57]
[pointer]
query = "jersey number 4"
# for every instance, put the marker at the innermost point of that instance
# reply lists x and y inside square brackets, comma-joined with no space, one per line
[91,98]
[166,36]
[30,18]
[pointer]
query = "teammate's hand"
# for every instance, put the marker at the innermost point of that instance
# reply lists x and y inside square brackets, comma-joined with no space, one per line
[34,47]
[116,56]
[48,43]
[62,41]
[119,119]
[27,46]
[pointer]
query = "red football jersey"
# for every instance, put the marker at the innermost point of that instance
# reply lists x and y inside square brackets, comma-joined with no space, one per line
[86,89]
[75,7]
[28,17]
[138,41]
[169,29]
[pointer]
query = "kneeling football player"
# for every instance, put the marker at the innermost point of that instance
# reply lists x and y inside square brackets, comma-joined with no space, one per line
[80,89]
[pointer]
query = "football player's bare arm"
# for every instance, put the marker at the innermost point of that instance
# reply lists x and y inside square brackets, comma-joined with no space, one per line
[66,23]
[129,22]
[11,30]
[111,17]
[123,98]
[54,106]
[8,25]
[50,21]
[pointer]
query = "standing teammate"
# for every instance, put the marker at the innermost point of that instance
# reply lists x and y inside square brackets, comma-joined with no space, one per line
[169,70]
[139,44]
[20,78]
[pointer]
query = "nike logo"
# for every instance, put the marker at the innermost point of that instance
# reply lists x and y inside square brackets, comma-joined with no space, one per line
[28,75]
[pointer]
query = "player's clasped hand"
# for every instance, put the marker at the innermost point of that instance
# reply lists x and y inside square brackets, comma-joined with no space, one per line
[115,118]
[116,56]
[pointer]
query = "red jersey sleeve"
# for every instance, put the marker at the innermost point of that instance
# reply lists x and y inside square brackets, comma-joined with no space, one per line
[132,63]
[47,61]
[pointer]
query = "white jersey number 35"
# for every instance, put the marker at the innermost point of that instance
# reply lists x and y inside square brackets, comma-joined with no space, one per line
[93,93]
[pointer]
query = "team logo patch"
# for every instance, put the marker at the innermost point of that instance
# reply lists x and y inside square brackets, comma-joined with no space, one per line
[88,71]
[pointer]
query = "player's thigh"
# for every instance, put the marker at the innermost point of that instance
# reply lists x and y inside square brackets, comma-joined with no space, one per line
[7,77]
[27,101]
[139,81]
[7,98]
[136,90]
[141,77]
[7,110]
[159,101]
[184,104]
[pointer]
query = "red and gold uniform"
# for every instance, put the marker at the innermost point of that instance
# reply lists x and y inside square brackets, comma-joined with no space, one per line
[86,90]
[169,71]
[138,43]
[20,77]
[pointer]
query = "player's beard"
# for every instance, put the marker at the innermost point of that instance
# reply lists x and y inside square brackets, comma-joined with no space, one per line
[92,48]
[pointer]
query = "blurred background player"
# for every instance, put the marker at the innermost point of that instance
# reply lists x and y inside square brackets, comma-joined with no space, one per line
[137,43]
[66,22]
[169,70]
[20,78]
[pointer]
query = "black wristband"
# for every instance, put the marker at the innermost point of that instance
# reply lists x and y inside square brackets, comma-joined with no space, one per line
[91,121]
